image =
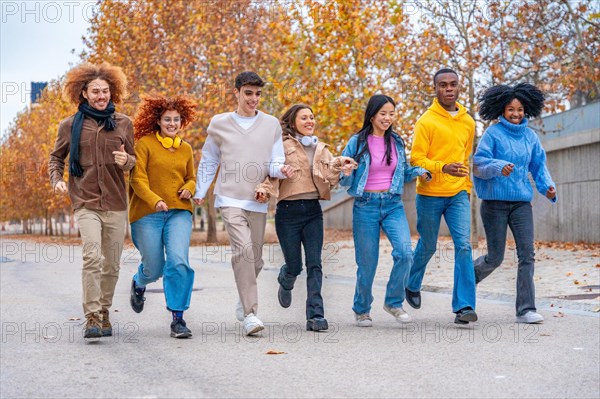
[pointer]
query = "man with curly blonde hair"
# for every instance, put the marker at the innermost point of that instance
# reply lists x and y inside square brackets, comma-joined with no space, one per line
[99,142]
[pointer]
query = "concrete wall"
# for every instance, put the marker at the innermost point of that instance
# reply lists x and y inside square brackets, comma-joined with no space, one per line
[572,143]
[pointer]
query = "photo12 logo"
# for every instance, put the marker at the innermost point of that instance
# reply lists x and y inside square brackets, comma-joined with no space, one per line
[68,331]
[48,11]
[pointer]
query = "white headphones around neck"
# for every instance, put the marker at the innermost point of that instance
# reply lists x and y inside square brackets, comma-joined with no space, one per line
[309,141]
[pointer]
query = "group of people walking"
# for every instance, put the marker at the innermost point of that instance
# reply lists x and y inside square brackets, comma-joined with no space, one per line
[255,157]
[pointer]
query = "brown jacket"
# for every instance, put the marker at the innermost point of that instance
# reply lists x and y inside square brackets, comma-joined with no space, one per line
[102,186]
[324,176]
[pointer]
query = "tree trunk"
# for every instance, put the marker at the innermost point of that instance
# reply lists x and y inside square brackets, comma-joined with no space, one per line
[211,218]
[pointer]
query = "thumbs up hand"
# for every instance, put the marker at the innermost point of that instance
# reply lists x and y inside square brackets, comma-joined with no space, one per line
[120,156]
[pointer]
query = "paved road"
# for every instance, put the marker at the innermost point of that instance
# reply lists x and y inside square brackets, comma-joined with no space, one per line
[44,355]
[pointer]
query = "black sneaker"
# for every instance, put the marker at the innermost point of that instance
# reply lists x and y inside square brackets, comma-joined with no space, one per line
[92,327]
[316,324]
[179,329]
[413,298]
[136,300]
[284,296]
[464,316]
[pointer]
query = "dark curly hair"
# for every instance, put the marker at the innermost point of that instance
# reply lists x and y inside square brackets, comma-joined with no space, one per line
[79,77]
[248,78]
[493,101]
[153,106]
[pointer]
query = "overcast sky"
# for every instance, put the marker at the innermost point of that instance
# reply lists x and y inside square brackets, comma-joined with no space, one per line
[36,40]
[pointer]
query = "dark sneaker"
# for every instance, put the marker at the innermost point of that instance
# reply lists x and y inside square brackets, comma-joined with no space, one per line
[92,327]
[464,316]
[284,296]
[105,325]
[179,329]
[413,298]
[316,324]
[136,299]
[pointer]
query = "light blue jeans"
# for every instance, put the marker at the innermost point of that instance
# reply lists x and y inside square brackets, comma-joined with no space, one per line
[166,233]
[372,213]
[457,213]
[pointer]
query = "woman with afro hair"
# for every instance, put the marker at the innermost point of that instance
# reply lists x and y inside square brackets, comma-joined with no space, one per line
[160,208]
[506,154]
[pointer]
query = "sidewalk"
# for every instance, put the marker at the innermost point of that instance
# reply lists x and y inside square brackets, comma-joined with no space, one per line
[44,354]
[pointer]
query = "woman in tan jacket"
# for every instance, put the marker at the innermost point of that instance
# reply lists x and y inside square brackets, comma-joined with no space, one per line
[299,218]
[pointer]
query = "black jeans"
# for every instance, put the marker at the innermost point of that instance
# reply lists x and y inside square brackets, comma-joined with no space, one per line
[300,223]
[496,217]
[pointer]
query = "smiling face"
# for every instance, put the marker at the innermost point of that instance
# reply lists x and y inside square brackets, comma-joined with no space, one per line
[305,122]
[514,112]
[170,124]
[383,119]
[97,94]
[248,98]
[446,90]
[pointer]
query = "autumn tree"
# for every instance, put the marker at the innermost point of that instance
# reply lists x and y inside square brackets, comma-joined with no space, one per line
[26,191]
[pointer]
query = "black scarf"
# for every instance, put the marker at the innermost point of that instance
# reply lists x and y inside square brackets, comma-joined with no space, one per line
[105,117]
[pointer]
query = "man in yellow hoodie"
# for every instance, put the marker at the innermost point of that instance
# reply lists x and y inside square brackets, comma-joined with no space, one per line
[442,144]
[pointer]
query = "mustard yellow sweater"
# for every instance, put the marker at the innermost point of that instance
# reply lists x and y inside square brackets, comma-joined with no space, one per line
[158,175]
[440,139]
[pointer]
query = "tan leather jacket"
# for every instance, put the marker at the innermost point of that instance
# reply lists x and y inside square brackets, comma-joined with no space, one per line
[325,173]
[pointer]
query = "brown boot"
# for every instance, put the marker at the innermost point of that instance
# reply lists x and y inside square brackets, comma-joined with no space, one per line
[92,326]
[106,326]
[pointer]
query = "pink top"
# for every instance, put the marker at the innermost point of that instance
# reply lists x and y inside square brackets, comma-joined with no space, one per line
[380,173]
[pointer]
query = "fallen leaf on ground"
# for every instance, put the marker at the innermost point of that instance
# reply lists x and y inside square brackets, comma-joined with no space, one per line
[559,314]
[576,282]
[74,318]
[569,274]
[274,352]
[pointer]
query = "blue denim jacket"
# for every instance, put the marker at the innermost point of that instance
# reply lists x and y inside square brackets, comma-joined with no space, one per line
[358,179]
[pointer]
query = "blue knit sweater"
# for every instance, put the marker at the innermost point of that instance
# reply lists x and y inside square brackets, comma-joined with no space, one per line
[506,143]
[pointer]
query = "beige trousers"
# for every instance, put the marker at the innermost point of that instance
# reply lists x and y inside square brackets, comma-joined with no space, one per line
[102,233]
[246,232]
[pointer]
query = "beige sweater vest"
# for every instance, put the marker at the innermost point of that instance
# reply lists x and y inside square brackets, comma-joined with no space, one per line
[245,154]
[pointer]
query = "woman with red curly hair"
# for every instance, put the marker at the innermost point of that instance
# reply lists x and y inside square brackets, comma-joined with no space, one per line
[160,208]
[99,142]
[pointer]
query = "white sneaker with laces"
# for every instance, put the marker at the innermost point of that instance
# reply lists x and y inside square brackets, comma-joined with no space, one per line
[399,313]
[530,317]
[252,324]
[363,320]
[239,311]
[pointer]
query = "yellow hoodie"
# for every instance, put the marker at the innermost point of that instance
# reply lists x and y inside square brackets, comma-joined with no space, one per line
[440,139]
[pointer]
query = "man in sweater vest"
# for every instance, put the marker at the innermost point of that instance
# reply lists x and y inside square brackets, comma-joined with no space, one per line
[442,144]
[245,146]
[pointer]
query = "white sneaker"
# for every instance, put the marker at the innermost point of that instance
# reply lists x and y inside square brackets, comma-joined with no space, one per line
[530,317]
[363,320]
[252,324]
[239,311]
[399,313]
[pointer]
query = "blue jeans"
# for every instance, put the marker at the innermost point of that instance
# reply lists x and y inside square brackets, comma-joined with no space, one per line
[159,233]
[300,223]
[372,213]
[457,213]
[496,216]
